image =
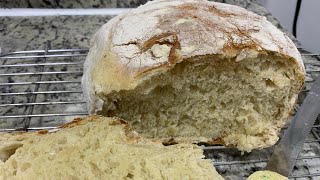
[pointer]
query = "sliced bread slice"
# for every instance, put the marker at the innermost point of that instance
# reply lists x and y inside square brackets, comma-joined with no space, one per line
[98,148]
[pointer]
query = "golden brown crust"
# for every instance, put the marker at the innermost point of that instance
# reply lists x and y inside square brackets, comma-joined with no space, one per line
[78,121]
[44,131]
[154,37]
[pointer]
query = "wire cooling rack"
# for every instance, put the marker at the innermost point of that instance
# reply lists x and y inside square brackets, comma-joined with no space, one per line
[40,89]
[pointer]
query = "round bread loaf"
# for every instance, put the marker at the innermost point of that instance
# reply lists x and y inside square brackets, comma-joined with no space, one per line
[194,71]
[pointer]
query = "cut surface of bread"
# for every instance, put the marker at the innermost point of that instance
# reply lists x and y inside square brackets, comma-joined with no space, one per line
[195,71]
[99,148]
[244,103]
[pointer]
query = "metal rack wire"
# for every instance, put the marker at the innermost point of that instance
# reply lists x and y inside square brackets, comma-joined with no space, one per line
[40,89]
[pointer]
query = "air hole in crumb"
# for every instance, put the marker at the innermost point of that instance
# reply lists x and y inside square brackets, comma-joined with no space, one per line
[286,75]
[212,108]
[9,151]
[223,105]
[129,175]
[169,142]
[270,83]
[194,88]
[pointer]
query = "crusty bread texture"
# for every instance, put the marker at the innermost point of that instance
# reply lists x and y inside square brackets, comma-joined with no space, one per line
[195,71]
[99,148]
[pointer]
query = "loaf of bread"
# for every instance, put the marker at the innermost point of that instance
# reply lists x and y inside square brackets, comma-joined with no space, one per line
[194,71]
[266,175]
[98,148]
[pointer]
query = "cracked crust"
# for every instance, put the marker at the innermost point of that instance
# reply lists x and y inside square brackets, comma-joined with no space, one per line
[151,39]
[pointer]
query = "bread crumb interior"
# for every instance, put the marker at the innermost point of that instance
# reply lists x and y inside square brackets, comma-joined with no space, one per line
[103,149]
[241,103]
